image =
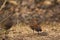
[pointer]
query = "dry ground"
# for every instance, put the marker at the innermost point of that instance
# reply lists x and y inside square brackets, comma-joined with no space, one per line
[23,32]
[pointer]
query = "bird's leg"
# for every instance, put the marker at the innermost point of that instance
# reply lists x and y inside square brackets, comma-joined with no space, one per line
[33,31]
[38,33]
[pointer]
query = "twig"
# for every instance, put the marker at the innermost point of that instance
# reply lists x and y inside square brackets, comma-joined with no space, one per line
[3,5]
[6,18]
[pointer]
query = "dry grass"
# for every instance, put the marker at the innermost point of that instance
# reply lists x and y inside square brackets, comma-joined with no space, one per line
[25,33]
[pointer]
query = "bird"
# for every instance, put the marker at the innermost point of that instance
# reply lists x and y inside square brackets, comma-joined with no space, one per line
[8,24]
[35,27]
